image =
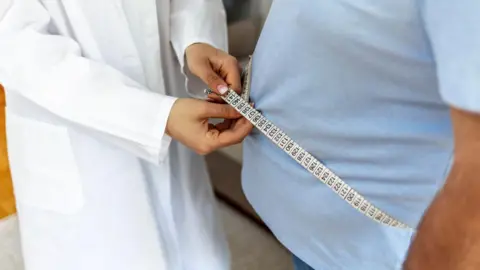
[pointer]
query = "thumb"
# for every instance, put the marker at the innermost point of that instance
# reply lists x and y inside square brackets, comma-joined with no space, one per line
[211,78]
[215,110]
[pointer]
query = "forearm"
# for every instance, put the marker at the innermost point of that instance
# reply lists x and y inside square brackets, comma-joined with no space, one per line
[449,235]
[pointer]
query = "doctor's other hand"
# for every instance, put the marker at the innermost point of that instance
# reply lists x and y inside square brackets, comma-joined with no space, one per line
[188,124]
[216,68]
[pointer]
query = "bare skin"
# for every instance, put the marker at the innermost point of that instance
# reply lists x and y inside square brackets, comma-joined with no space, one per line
[448,237]
[188,119]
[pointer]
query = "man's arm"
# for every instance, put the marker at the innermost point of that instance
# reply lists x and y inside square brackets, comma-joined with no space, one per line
[449,235]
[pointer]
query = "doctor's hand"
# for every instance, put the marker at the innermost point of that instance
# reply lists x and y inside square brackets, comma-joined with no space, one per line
[216,68]
[188,124]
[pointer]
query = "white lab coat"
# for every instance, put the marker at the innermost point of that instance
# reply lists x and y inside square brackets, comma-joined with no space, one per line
[99,186]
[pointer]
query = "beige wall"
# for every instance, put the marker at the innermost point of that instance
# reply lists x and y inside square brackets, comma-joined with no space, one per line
[262,7]
[235,152]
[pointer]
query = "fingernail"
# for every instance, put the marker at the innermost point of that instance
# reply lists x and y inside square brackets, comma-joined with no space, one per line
[222,89]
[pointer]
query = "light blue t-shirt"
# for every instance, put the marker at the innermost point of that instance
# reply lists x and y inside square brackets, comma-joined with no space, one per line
[365,86]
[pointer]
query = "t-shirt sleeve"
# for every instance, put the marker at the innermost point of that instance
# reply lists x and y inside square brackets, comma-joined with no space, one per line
[453,28]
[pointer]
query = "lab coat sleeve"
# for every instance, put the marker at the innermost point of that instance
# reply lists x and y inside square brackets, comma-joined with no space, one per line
[196,21]
[50,71]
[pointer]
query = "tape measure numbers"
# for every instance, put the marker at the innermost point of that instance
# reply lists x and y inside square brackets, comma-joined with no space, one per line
[302,157]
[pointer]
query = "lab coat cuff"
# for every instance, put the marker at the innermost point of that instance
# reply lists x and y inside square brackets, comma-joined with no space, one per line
[159,152]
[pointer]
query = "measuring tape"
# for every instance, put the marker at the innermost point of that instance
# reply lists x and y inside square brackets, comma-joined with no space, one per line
[302,157]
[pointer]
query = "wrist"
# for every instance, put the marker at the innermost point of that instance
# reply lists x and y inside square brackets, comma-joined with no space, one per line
[196,45]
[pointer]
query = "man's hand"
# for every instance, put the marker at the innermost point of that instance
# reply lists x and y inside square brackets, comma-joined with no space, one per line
[448,237]
[188,124]
[216,68]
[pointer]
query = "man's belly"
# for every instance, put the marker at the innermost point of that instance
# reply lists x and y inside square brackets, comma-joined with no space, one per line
[394,152]
[312,221]
[359,92]
[321,228]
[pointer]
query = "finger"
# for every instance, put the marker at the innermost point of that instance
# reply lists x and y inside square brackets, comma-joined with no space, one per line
[211,78]
[235,134]
[226,124]
[214,110]
[231,72]
[211,135]
[215,98]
